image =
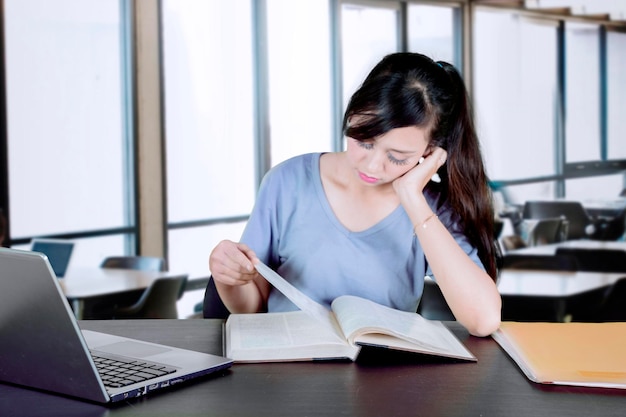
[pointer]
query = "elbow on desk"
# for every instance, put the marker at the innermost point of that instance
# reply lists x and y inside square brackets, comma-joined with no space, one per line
[485,328]
[484,324]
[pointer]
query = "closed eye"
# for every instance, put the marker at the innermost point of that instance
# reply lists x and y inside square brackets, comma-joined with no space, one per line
[370,145]
[395,160]
[365,145]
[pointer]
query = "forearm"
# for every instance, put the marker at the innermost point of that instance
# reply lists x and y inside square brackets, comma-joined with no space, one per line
[245,298]
[469,291]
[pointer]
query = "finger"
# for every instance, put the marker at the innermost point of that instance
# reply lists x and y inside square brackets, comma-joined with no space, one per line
[438,156]
[250,255]
[443,158]
[229,262]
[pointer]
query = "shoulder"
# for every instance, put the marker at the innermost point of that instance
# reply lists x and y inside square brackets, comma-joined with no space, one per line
[297,162]
[293,170]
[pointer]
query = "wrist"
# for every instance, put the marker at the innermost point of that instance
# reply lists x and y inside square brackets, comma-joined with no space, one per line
[425,223]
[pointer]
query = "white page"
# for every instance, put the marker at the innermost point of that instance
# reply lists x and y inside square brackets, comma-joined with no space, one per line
[301,300]
[429,334]
[294,335]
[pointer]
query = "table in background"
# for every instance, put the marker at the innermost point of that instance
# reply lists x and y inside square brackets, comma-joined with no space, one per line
[551,248]
[564,290]
[493,386]
[81,285]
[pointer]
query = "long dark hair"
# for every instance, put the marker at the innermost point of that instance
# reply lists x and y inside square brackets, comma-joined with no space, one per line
[410,89]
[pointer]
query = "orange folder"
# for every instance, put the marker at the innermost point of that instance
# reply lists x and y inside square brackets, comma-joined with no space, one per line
[581,354]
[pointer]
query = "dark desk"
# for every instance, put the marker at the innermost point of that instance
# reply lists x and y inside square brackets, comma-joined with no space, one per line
[492,387]
[579,244]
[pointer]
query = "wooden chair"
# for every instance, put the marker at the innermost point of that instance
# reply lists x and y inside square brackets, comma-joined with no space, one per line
[157,302]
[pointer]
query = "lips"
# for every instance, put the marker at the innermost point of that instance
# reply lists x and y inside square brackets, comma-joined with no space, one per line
[367,179]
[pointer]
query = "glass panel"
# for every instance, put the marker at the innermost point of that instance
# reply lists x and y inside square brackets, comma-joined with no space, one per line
[64,110]
[616,92]
[190,248]
[299,77]
[90,252]
[368,34]
[582,104]
[431,32]
[606,187]
[518,194]
[189,251]
[207,56]
[514,96]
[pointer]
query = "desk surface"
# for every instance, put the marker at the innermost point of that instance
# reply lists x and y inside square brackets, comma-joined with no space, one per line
[557,284]
[492,387]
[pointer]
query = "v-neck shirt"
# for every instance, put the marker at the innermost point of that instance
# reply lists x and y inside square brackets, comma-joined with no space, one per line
[294,230]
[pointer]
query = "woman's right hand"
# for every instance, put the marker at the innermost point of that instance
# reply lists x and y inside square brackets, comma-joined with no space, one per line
[232,263]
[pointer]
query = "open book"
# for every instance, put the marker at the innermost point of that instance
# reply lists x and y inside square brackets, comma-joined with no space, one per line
[578,354]
[314,332]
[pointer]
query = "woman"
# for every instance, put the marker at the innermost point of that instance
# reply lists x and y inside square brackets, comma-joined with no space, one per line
[369,221]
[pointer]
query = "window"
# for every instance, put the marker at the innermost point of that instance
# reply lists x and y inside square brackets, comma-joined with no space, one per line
[368,33]
[66,130]
[582,104]
[299,77]
[208,73]
[616,95]
[515,95]
[594,188]
[432,32]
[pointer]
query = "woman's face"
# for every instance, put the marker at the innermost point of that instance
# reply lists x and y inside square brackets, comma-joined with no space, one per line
[382,160]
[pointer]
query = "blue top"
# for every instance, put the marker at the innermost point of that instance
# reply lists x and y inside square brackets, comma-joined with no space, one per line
[293,229]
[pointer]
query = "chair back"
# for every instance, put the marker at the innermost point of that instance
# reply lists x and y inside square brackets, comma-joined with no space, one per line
[512,242]
[142,263]
[433,305]
[580,224]
[157,302]
[546,231]
[213,307]
[596,260]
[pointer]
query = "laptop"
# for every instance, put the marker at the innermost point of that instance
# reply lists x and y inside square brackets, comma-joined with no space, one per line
[43,347]
[58,252]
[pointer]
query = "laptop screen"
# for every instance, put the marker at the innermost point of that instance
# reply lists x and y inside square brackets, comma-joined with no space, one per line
[57,251]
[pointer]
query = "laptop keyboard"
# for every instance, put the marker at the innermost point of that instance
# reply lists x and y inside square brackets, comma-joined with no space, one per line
[117,372]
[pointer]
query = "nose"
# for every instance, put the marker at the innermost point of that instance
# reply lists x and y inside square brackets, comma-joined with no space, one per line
[376,161]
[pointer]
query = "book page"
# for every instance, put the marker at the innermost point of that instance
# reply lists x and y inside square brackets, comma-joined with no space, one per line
[301,300]
[293,335]
[358,316]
